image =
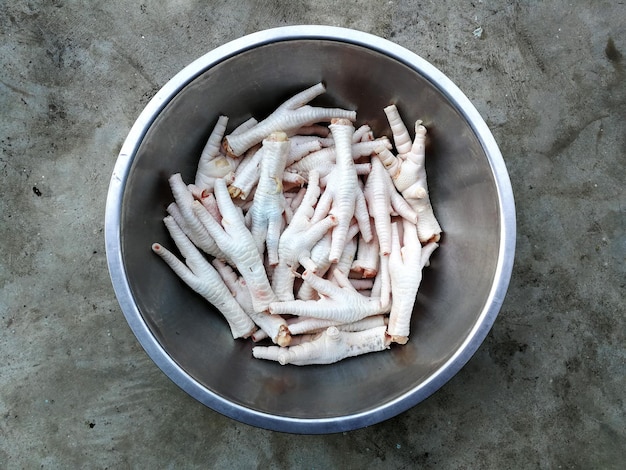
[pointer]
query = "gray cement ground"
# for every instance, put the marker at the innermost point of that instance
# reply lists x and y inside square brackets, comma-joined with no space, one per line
[545,390]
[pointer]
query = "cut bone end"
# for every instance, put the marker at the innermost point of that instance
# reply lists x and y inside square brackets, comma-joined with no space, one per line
[234,191]
[156,247]
[433,239]
[340,122]
[228,149]
[259,335]
[283,338]
[278,136]
[364,271]
[369,273]
[399,339]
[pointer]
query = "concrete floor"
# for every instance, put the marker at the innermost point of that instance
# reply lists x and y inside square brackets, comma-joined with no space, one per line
[545,390]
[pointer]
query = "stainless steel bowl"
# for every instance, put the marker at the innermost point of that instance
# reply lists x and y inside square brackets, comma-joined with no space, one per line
[461,292]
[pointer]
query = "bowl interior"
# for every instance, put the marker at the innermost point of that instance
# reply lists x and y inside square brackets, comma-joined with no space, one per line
[455,287]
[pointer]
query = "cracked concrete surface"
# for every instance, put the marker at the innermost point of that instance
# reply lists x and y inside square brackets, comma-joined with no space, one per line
[545,390]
